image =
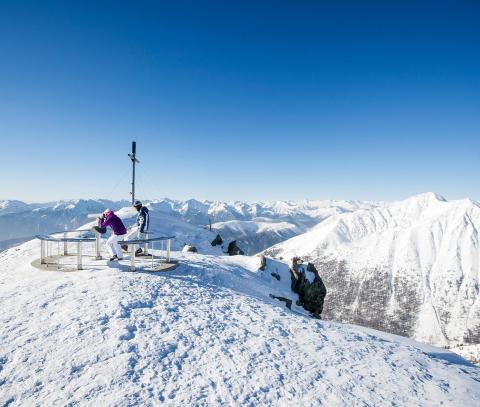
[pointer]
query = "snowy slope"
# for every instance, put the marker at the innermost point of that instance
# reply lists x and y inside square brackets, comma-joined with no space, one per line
[257,234]
[410,267]
[255,225]
[206,333]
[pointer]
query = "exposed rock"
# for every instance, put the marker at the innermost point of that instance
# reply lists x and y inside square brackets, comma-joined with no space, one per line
[217,241]
[311,294]
[233,249]
[275,275]
[287,301]
[189,248]
[263,262]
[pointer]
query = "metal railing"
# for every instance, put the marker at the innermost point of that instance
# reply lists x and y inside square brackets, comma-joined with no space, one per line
[65,241]
[133,242]
[46,239]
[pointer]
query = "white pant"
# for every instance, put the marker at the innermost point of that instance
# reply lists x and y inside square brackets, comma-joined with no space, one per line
[113,246]
[134,233]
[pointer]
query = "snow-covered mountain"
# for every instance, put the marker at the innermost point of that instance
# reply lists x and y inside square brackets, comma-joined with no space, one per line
[306,213]
[256,225]
[20,221]
[409,267]
[262,223]
[207,333]
[256,234]
[13,206]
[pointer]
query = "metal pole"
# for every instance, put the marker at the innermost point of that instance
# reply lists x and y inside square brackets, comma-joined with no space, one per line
[79,255]
[152,256]
[168,251]
[133,181]
[98,256]
[134,161]
[132,258]
[42,251]
[65,244]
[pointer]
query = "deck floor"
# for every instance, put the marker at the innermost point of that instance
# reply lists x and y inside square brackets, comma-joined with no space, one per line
[57,261]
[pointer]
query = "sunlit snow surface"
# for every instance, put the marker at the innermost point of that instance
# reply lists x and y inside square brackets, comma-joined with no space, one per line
[410,267]
[206,333]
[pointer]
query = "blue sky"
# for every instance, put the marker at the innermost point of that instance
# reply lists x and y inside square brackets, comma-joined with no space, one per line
[240,100]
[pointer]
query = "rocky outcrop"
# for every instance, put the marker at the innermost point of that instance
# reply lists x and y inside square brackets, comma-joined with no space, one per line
[275,275]
[287,301]
[233,249]
[218,241]
[263,262]
[189,248]
[311,294]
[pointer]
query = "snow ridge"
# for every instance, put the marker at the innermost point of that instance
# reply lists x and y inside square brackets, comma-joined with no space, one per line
[427,250]
[207,333]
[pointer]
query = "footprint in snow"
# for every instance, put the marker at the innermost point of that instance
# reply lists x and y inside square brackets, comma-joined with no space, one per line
[130,334]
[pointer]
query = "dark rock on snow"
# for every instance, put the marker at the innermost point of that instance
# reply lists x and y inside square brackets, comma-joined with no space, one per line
[233,249]
[275,275]
[191,249]
[287,301]
[217,241]
[311,294]
[263,262]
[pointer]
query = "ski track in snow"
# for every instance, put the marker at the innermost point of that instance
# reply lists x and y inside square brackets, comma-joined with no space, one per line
[183,338]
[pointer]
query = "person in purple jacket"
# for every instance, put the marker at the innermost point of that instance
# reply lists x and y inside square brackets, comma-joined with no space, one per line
[119,231]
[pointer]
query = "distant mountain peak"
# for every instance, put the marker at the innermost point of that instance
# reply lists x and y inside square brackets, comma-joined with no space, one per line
[427,197]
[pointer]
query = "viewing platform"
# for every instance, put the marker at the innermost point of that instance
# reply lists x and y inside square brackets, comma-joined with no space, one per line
[73,250]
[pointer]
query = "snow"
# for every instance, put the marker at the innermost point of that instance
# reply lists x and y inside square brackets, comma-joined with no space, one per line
[12,206]
[256,235]
[258,225]
[469,352]
[19,221]
[422,255]
[162,224]
[207,333]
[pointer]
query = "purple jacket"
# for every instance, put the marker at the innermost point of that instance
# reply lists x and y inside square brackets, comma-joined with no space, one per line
[114,222]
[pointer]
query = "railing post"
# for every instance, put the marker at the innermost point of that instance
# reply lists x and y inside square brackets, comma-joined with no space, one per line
[153,256]
[168,251]
[79,255]
[65,244]
[145,245]
[132,258]
[98,256]
[42,251]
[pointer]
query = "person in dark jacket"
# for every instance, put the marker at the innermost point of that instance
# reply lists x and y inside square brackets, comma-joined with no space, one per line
[140,229]
[119,232]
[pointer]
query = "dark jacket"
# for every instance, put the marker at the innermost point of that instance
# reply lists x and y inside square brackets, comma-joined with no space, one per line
[143,219]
